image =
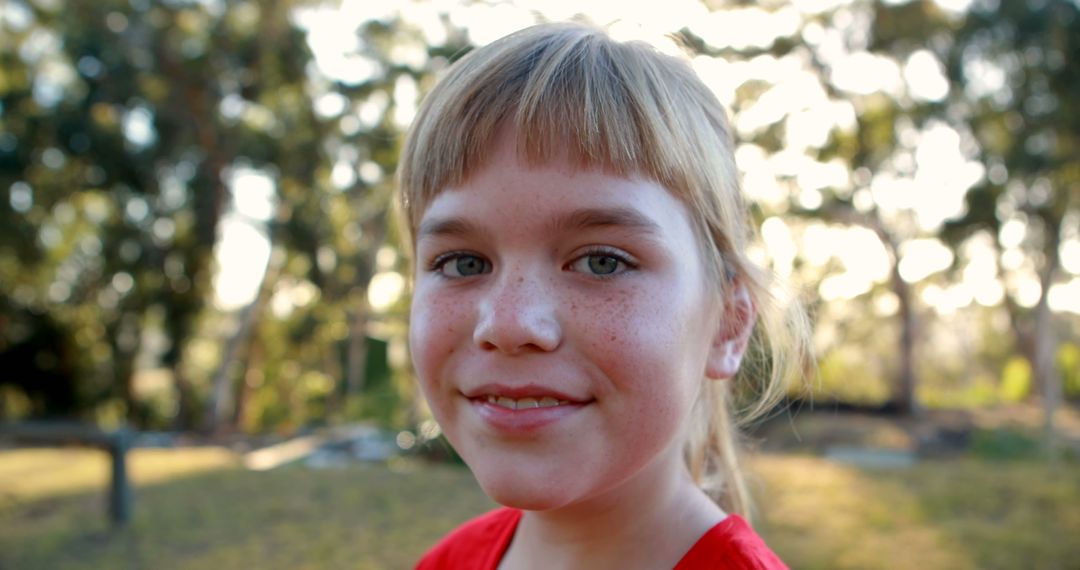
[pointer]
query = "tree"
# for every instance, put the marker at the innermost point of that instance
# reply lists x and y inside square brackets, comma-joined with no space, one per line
[842,106]
[121,121]
[1015,72]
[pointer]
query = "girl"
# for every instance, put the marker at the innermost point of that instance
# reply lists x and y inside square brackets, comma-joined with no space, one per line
[582,302]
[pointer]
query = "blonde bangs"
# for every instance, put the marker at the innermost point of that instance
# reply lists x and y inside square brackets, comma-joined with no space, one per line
[570,90]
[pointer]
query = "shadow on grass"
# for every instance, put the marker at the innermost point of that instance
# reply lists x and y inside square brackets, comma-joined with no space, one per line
[356,517]
[1016,514]
[955,514]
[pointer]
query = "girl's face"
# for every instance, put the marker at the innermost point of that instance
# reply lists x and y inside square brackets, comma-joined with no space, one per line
[561,327]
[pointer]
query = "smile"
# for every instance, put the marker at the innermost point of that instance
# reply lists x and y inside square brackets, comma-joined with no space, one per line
[523,411]
[524,403]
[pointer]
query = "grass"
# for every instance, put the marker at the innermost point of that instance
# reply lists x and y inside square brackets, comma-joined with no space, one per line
[213,514]
[195,508]
[956,514]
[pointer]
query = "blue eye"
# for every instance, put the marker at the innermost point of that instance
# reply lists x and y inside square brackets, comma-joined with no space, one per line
[602,263]
[461,265]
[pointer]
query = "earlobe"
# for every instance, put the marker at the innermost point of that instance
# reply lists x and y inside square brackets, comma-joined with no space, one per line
[732,334]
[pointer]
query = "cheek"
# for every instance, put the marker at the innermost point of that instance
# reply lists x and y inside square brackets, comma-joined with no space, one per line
[646,341]
[638,342]
[436,327]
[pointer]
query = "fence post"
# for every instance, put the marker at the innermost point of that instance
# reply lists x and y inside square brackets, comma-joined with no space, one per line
[120,498]
[117,443]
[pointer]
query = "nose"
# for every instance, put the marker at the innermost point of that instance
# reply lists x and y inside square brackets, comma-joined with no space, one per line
[518,315]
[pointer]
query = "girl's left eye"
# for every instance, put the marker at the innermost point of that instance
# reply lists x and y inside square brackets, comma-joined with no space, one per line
[460,264]
[601,264]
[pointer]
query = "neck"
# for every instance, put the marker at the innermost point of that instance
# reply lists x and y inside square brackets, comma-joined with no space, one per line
[650,521]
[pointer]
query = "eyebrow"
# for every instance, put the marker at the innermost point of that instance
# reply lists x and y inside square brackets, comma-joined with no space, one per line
[447,227]
[576,220]
[590,218]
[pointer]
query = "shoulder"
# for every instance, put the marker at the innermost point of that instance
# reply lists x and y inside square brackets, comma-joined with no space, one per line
[476,544]
[732,543]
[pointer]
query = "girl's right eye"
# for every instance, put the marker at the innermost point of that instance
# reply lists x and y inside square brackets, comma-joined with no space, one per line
[460,265]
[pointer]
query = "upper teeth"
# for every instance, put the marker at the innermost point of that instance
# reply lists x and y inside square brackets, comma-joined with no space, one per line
[525,403]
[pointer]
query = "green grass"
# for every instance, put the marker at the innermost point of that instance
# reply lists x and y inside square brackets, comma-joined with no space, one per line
[219,516]
[197,509]
[955,514]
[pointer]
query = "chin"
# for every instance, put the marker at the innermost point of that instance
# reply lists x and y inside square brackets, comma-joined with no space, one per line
[524,499]
[522,493]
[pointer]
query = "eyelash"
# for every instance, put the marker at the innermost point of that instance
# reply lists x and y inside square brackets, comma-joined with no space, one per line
[622,258]
[438,264]
[627,263]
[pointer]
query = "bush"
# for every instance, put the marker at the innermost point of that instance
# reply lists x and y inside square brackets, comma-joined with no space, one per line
[1068,360]
[1004,444]
[1016,380]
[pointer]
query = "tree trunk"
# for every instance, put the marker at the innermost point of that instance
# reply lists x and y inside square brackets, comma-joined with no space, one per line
[1044,367]
[180,311]
[124,341]
[356,359]
[335,399]
[252,379]
[906,376]
[906,380]
[904,395]
[185,401]
[221,402]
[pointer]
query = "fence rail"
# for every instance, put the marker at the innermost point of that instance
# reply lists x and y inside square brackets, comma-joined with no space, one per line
[115,442]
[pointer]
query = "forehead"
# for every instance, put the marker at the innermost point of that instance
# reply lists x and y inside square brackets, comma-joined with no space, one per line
[507,170]
[510,148]
[510,195]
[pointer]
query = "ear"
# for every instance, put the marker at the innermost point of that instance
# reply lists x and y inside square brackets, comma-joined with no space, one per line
[732,334]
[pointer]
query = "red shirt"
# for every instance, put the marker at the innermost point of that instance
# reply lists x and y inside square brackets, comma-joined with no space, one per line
[479,544]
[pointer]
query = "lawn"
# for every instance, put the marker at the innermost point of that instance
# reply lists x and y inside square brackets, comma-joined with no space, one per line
[196,508]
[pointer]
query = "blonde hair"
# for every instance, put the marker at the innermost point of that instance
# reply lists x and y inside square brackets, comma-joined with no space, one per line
[629,110]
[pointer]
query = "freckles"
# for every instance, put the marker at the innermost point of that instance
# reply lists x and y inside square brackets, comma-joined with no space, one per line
[614,331]
[437,328]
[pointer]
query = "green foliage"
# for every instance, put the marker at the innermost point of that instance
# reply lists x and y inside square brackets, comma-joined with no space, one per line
[844,376]
[14,403]
[1068,360]
[381,399]
[1004,443]
[1015,380]
[970,391]
[123,145]
[121,124]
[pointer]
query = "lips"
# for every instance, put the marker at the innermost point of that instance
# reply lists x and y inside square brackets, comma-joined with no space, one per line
[523,410]
[525,403]
[531,395]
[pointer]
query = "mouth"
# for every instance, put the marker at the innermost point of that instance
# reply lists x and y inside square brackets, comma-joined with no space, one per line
[525,403]
[526,397]
[523,411]
[525,416]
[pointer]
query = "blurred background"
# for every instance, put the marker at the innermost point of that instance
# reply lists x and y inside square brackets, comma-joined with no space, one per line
[196,253]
